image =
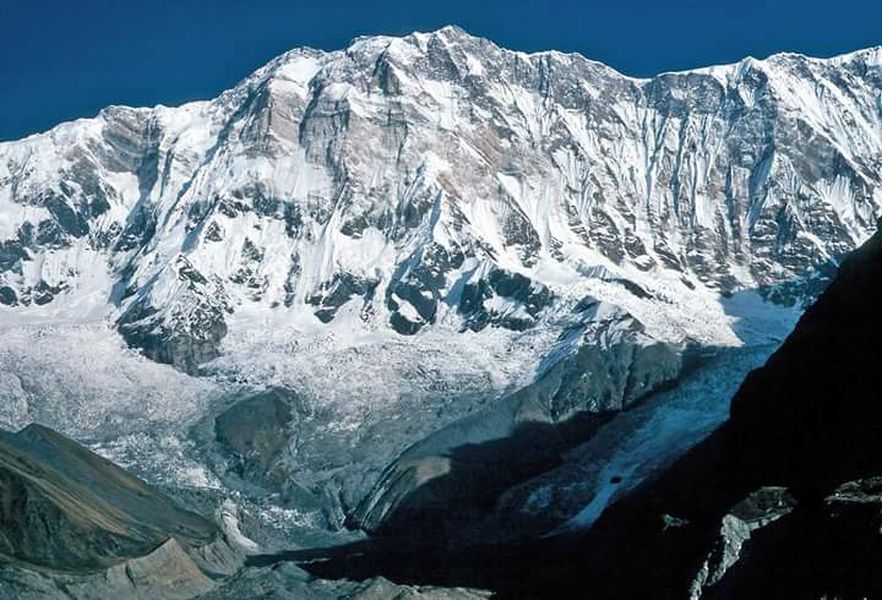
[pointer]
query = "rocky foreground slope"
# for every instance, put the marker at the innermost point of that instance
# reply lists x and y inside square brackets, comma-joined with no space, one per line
[74,524]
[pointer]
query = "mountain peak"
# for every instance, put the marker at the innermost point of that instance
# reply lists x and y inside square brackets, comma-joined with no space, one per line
[450,32]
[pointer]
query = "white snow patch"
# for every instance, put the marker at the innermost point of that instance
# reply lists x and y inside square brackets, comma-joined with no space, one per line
[229,516]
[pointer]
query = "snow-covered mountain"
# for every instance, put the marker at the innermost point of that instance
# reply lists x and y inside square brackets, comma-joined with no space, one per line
[408,229]
[439,180]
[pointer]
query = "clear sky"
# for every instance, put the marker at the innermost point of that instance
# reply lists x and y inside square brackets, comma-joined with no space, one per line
[63,59]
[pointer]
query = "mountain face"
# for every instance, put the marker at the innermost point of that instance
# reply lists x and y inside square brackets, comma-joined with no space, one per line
[379,270]
[437,180]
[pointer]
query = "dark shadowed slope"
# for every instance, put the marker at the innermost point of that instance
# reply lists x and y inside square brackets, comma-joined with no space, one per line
[784,500]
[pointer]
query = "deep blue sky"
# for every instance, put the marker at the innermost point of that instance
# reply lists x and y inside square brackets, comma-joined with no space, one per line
[62,59]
